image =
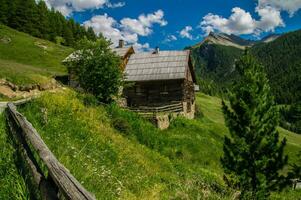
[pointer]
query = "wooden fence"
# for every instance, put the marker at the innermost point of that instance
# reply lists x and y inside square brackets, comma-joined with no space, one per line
[59,183]
[172,108]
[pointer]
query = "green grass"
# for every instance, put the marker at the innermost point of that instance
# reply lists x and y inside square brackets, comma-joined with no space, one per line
[112,164]
[24,60]
[116,154]
[12,185]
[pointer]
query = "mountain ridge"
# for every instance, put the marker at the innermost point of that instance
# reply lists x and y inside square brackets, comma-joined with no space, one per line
[234,40]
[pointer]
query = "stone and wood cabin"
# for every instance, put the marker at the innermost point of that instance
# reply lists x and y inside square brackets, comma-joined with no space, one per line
[162,81]
[158,83]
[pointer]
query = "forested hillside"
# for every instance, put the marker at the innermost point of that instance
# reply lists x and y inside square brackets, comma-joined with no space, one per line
[281,58]
[37,20]
[215,67]
[283,65]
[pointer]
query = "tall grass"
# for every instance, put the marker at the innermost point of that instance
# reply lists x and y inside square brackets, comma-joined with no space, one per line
[116,154]
[12,185]
[125,164]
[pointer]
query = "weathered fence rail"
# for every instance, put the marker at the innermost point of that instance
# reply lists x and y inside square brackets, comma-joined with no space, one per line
[176,107]
[59,183]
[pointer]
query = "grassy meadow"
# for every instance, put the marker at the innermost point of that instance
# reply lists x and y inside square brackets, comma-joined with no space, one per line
[117,155]
[25,59]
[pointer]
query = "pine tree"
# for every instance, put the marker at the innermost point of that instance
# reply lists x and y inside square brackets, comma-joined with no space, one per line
[68,36]
[12,14]
[253,154]
[26,17]
[296,112]
[33,17]
[91,34]
[43,22]
[3,11]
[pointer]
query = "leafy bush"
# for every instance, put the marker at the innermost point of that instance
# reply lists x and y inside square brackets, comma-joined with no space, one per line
[97,68]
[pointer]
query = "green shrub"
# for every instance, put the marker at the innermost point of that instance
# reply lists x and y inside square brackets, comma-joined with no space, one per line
[97,69]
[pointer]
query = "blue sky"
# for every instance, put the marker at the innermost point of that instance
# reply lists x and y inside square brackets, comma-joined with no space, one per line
[175,24]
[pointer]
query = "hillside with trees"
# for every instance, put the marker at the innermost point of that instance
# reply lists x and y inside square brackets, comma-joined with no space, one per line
[281,57]
[33,17]
[283,66]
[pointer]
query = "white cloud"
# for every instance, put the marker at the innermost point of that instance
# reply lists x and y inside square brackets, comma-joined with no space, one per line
[241,22]
[109,28]
[270,18]
[290,6]
[141,47]
[67,7]
[115,5]
[170,38]
[134,25]
[185,33]
[113,30]
[142,26]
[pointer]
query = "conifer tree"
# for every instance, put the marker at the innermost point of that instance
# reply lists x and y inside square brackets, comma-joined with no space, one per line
[12,19]
[3,12]
[68,36]
[43,23]
[91,34]
[253,154]
[33,17]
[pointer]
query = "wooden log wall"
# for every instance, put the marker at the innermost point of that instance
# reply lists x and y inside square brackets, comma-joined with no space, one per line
[154,93]
[59,184]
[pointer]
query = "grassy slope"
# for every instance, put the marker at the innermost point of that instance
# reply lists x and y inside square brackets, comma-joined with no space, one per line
[12,185]
[24,60]
[139,161]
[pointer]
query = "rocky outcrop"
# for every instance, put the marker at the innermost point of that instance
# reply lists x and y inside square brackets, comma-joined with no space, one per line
[12,91]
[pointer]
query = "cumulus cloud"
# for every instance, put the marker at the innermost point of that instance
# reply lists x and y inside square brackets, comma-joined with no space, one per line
[142,26]
[270,18]
[241,22]
[185,33]
[290,6]
[67,7]
[113,30]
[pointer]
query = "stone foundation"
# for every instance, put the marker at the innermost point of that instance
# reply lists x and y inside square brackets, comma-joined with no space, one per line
[162,121]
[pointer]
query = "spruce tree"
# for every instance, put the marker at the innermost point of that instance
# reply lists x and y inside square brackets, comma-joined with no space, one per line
[91,34]
[253,154]
[3,12]
[43,23]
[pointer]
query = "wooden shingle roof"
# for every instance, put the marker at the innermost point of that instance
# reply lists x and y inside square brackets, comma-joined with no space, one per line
[165,65]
